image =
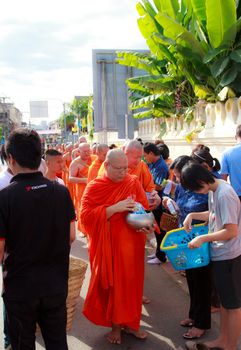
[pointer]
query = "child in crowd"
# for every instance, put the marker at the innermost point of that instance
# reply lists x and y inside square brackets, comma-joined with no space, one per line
[224,217]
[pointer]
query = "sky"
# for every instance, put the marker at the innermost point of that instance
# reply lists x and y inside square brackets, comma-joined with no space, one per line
[46,46]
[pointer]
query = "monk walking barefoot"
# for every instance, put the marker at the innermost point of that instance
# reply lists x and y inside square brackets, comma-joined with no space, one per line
[114,337]
[116,250]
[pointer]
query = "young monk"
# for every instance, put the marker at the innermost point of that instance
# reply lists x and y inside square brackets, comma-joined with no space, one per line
[116,251]
[78,173]
[101,151]
[54,162]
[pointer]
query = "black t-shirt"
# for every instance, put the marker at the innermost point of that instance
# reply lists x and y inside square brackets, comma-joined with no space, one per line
[35,216]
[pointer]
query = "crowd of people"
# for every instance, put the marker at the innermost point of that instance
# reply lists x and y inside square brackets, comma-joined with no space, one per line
[93,187]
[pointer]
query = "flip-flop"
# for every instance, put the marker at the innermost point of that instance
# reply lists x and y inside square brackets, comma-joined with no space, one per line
[189,336]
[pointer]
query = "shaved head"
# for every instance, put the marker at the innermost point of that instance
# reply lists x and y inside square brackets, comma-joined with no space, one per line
[69,147]
[101,151]
[101,147]
[133,150]
[115,154]
[84,151]
[82,139]
[116,165]
[132,146]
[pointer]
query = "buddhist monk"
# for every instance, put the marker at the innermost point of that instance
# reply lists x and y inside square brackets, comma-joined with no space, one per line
[116,250]
[101,152]
[78,173]
[67,159]
[54,163]
[134,151]
[82,139]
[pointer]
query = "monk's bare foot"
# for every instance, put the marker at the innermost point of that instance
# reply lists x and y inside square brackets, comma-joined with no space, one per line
[114,337]
[145,300]
[142,335]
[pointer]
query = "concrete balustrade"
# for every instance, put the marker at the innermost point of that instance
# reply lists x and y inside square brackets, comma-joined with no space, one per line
[220,121]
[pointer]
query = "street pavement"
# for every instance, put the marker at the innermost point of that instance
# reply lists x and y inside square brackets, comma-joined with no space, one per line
[169,304]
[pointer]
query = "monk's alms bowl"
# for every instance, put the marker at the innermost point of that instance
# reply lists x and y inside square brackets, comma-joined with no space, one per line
[139,221]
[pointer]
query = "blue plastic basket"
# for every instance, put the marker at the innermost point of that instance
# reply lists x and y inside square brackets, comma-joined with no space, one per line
[175,245]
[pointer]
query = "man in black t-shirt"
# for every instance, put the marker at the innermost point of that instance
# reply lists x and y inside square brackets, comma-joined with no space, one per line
[37,226]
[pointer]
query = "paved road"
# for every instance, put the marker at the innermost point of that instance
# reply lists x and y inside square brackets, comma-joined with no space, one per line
[160,318]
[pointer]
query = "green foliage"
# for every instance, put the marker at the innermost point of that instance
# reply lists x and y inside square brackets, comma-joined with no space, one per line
[195,52]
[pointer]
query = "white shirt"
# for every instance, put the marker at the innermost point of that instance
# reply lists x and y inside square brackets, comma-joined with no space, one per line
[5,178]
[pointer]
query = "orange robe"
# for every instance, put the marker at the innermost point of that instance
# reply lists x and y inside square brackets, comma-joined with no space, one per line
[93,169]
[79,190]
[70,185]
[144,176]
[116,254]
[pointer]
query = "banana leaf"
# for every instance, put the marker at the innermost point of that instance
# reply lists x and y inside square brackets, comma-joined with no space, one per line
[221,20]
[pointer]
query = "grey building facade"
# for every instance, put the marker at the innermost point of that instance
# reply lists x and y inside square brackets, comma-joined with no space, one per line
[111,103]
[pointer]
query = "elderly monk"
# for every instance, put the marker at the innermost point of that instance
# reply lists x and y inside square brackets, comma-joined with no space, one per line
[101,152]
[134,151]
[116,251]
[78,173]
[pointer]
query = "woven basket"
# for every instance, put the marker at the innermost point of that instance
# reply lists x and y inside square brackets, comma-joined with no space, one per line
[168,222]
[77,270]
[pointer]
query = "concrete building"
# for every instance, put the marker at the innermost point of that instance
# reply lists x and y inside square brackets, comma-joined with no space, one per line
[112,118]
[10,118]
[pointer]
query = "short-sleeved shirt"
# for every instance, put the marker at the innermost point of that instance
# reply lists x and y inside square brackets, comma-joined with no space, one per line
[224,208]
[5,178]
[230,165]
[35,216]
[159,171]
[189,202]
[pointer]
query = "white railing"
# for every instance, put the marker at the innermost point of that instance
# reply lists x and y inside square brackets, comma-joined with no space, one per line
[220,120]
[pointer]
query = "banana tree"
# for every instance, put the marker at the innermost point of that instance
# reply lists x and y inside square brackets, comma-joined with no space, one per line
[195,51]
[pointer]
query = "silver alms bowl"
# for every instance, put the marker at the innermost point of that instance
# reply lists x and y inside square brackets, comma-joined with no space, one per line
[139,221]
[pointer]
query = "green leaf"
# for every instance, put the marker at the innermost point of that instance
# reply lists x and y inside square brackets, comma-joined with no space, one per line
[214,53]
[199,9]
[229,76]
[143,114]
[175,31]
[221,19]
[149,8]
[140,9]
[169,7]
[157,4]
[202,92]
[236,56]
[218,66]
[236,86]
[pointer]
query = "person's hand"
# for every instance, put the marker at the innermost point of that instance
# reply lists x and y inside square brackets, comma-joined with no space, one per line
[155,200]
[196,242]
[125,205]
[164,202]
[146,230]
[187,223]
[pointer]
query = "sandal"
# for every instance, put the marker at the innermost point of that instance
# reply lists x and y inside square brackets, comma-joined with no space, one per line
[187,322]
[194,333]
